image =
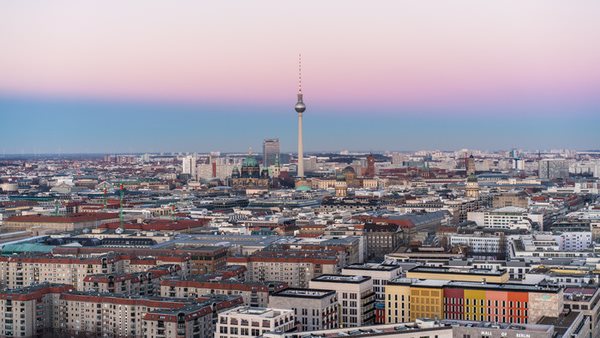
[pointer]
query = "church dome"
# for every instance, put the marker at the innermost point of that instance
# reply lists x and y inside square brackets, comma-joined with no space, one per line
[348,170]
[250,161]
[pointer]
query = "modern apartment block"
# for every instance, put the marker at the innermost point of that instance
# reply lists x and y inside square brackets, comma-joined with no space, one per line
[314,309]
[245,321]
[355,294]
[499,303]
[379,273]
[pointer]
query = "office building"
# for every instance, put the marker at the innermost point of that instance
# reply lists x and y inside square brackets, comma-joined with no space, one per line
[271,152]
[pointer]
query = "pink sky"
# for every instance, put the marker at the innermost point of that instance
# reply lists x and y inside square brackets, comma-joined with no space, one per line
[412,54]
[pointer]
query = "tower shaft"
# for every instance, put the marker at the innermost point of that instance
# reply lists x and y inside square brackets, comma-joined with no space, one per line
[300,148]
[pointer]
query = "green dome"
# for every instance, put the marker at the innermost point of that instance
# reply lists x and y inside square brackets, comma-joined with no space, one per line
[250,161]
[472,178]
[303,188]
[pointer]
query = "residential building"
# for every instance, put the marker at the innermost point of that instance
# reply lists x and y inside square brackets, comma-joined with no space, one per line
[355,294]
[254,294]
[253,322]
[314,309]
[498,303]
[294,267]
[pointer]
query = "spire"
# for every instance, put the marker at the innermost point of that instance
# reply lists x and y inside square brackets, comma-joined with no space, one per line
[300,107]
[300,74]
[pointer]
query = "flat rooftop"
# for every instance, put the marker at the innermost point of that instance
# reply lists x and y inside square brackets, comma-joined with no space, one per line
[261,312]
[459,271]
[373,267]
[304,293]
[475,285]
[341,279]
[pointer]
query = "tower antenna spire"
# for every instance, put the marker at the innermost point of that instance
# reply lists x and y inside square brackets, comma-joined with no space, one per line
[300,73]
[300,107]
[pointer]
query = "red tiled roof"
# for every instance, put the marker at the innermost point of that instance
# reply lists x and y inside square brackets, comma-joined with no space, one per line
[159,225]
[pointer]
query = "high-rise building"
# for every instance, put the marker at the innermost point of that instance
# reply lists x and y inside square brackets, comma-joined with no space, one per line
[188,164]
[553,168]
[271,152]
[300,108]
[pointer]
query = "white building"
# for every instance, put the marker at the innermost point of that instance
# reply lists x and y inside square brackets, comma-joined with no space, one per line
[479,243]
[547,245]
[243,322]
[379,273]
[314,309]
[355,295]
[506,218]
[188,164]
[575,241]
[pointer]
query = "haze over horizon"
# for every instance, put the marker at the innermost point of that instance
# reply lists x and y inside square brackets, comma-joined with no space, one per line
[87,77]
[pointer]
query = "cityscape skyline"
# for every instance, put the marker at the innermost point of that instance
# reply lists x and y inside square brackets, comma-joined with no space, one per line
[314,169]
[528,84]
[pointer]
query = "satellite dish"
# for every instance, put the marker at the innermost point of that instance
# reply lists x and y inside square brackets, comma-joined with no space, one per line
[118,231]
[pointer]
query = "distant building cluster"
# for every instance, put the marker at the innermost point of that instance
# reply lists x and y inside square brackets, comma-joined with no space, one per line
[421,244]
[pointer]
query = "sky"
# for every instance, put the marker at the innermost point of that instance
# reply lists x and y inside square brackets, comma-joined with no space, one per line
[183,75]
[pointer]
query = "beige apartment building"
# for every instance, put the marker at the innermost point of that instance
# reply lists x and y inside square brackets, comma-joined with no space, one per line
[296,268]
[138,283]
[29,311]
[118,316]
[23,271]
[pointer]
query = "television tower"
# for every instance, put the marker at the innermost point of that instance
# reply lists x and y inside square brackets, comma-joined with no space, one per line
[300,108]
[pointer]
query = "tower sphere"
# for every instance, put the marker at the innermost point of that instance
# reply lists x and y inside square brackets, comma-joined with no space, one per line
[300,107]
